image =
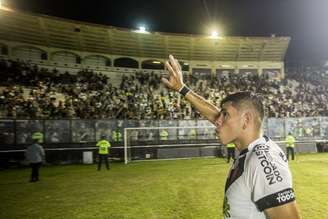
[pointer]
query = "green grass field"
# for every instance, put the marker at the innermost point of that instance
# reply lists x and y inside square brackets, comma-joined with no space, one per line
[190,188]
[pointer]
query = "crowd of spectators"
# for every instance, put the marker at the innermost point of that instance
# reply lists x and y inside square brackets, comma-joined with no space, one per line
[28,91]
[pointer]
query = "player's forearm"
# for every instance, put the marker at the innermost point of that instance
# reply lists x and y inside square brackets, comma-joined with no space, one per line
[207,109]
[288,211]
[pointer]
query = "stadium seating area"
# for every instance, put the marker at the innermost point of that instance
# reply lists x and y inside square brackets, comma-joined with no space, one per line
[28,91]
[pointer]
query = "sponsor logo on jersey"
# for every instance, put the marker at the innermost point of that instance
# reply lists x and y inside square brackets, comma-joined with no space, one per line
[279,198]
[270,169]
[285,196]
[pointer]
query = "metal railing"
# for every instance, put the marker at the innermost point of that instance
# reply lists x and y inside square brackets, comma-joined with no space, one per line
[76,131]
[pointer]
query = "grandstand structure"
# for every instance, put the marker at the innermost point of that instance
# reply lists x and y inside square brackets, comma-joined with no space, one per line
[62,43]
[67,45]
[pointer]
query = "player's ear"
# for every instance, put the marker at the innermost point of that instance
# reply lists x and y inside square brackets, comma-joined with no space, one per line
[247,118]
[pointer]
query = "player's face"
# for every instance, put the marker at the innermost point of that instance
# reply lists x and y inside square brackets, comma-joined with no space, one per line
[228,124]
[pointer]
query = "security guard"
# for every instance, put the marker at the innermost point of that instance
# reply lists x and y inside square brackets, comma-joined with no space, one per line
[35,155]
[116,135]
[230,151]
[163,135]
[290,145]
[192,134]
[103,151]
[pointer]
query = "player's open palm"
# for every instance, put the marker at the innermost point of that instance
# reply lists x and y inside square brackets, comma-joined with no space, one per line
[175,80]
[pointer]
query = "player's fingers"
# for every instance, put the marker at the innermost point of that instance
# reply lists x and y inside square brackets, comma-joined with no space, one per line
[166,82]
[173,63]
[170,69]
[178,64]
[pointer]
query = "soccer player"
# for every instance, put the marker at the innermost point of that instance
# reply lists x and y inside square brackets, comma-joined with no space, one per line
[259,184]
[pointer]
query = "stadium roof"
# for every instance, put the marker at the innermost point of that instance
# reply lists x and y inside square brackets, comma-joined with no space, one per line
[74,35]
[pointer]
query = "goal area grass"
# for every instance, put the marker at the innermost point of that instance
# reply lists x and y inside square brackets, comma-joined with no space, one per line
[187,188]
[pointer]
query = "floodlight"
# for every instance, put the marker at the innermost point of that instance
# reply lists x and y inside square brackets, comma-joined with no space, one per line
[142,28]
[214,34]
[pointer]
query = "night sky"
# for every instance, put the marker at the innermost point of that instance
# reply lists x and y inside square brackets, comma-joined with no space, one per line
[305,21]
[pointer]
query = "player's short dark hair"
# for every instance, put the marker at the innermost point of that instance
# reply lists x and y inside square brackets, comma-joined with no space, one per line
[246,97]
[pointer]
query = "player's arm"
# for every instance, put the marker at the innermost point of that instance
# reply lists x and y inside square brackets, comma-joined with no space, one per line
[175,82]
[286,211]
[270,181]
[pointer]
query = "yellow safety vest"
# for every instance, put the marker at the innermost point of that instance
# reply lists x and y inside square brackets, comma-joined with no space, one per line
[230,145]
[104,146]
[290,141]
[117,136]
[192,134]
[164,135]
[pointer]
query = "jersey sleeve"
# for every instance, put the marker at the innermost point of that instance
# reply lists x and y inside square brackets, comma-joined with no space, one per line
[270,179]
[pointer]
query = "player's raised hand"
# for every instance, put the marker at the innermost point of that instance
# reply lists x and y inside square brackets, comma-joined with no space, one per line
[175,80]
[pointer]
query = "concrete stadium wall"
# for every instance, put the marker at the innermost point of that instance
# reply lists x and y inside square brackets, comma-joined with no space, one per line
[34,54]
[302,147]
[75,155]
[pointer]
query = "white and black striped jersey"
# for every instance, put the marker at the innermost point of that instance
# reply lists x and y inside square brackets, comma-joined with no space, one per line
[259,179]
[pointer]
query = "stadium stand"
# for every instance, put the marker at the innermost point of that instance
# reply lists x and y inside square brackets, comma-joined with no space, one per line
[28,91]
[75,85]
